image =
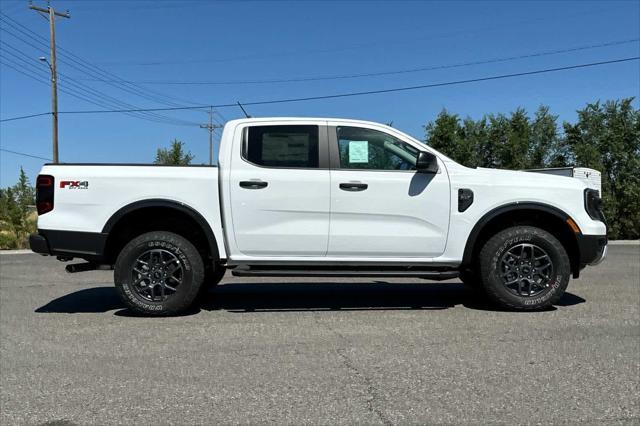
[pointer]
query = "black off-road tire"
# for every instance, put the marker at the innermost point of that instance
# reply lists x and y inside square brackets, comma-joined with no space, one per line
[490,261]
[187,257]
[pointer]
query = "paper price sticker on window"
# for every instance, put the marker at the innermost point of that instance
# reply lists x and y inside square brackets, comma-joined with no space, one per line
[358,151]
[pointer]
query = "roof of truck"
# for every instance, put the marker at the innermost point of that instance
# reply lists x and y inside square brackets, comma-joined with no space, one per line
[263,119]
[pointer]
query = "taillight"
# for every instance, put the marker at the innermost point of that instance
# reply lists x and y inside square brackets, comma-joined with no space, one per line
[44,193]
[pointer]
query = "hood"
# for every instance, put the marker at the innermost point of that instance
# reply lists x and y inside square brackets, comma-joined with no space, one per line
[523,178]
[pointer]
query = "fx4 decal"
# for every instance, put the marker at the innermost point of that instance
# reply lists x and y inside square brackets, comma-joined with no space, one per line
[74,184]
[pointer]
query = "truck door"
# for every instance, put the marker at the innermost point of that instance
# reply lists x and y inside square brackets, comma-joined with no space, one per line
[279,190]
[380,206]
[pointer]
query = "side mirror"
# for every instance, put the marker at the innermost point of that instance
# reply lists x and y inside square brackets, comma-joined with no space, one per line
[426,163]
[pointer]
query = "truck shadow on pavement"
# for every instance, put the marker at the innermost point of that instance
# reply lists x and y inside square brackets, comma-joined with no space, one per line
[300,296]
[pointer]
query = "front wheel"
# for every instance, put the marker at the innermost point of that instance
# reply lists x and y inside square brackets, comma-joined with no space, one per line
[524,268]
[159,273]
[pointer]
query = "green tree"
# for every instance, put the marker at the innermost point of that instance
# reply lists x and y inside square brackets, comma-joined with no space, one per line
[497,139]
[16,204]
[447,136]
[545,147]
[175,155]
[606,137]
[25,193]
[512,152]
[474,134]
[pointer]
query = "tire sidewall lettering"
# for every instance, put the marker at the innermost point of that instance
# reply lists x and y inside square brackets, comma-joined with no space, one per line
[512,242]
[172,248]
[132,297]
[552,290]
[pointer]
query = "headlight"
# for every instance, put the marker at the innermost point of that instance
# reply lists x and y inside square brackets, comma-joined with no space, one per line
[593,204]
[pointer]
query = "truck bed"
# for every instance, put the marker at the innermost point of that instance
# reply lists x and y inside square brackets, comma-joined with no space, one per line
[103,189]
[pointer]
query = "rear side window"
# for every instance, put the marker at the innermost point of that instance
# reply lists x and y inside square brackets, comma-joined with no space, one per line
[282,146]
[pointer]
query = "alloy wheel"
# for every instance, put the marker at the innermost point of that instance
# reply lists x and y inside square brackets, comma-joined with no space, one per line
[526,270]
[156,274]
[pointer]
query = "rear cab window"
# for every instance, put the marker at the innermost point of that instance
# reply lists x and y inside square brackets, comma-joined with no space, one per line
[283,146]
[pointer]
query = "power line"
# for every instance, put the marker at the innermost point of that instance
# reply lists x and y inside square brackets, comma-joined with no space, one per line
[195,107]
[392,72]
[25,155]
[82,93]
[39,49]
[22,117]
[372,92]
[79,66]
[397,89]
[75,60]
[220,115]
[86,90]
[87,67]
[22,70]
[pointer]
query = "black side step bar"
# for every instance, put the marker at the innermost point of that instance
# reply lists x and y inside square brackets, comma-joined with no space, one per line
[86,266]
[405,273]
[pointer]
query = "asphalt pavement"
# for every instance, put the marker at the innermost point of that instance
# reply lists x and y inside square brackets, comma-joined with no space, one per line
[317,351]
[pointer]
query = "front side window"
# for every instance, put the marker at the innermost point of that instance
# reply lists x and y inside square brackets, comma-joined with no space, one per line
[361,148]
[282,146]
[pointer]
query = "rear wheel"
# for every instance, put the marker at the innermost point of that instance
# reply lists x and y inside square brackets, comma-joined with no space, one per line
[159,273]
[524,268]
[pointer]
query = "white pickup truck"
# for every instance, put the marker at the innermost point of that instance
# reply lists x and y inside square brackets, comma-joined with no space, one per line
[319,197]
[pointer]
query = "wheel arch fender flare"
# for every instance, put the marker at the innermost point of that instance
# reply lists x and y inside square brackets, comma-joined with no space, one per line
[467,257]
[171,204]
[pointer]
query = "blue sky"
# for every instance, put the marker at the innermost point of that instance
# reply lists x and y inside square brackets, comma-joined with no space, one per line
[235,42]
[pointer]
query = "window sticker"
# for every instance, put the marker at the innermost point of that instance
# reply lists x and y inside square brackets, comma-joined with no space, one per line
[358,151]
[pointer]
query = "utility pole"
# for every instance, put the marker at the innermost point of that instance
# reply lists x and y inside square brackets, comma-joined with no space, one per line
[210,127]
[51,14]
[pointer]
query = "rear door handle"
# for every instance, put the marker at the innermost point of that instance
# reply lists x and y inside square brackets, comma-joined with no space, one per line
[253,184]
[353,186]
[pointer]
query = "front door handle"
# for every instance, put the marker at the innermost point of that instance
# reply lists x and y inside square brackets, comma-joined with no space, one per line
[253,184]
[353,186]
